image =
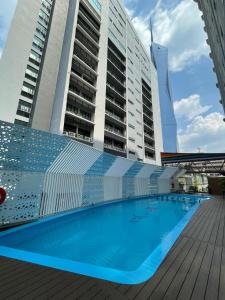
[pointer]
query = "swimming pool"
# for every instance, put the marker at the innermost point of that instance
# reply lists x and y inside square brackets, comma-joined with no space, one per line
[123,241]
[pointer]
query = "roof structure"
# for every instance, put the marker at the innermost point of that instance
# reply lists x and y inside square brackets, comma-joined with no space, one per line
[210,163]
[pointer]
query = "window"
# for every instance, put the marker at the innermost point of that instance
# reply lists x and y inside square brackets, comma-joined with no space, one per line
[31,73]
[38,43]
[19,122]
[24,109]
[131,139]
[131,126]
[131,102]
[35,58]
[28,90]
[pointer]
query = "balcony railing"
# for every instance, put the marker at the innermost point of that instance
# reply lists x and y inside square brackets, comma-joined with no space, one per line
[116,91]
[84,81]
[149,127]
[119,59]
[149,146]
[81,94]
[78,136]
[112,147]
[118,105]
[122,72]
[123,85]
[116,131]
[78,113]
[94,56]
[115,116]
[149,136]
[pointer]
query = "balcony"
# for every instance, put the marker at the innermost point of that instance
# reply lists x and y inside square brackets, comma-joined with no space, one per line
[148,118]
[84,81]
[84,64]
[149,147]
[149,155]
[115,92]
[86,42]
[116,62]
[92,18]
[77,113]
[115,149]
[85,24]
[78,136]
[94,56]
[149,137]
[89,22]
[145,106]
[117,58]
[116,106]
[115,119]
[123,73]
[114,134]
[149,127]
[121,84]
[76,90]
[146,98]
[88,36]
[85,57]
[74,97]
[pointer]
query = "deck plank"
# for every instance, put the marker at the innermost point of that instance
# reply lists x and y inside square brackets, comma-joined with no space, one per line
[194,269]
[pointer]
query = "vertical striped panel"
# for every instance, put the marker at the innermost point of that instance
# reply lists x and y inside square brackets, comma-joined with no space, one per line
[112,188]
[93,188]
[128,180]
[64,180]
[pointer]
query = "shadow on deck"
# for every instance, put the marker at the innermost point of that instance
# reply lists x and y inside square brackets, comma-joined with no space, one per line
[193,269]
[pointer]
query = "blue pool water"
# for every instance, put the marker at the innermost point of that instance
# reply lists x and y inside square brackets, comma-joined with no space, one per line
[116,238]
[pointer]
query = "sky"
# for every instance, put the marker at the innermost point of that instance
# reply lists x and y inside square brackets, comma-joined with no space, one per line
[177,24]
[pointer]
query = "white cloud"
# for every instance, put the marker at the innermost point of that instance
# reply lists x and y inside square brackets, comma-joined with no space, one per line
[190,107]
[179,28]
[206,133]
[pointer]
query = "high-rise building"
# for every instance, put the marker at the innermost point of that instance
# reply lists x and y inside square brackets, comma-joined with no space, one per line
[169,124]
[78,68]
[214,18]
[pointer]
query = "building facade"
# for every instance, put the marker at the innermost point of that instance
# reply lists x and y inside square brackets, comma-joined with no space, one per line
[214,18]
[79,69]
[169,124]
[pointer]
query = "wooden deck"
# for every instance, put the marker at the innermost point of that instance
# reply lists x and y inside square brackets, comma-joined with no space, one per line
[193,269]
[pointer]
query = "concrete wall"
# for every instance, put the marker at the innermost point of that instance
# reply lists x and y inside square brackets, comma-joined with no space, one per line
[51,67]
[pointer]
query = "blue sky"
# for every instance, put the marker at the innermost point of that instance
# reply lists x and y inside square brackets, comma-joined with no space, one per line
[177,25]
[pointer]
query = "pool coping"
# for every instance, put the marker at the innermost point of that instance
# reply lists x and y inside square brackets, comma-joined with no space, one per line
[144,272]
